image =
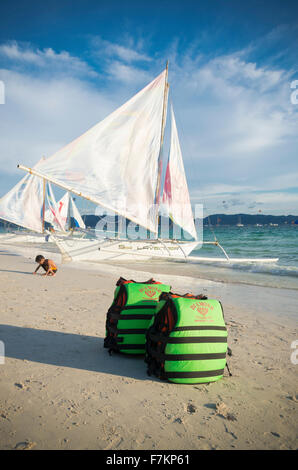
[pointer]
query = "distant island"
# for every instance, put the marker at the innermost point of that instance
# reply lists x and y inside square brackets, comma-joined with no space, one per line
[214,219]
[249,219]
[224,219]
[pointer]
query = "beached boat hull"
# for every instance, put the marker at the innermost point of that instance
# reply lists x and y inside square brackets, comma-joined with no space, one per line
[117,249]
[23,237]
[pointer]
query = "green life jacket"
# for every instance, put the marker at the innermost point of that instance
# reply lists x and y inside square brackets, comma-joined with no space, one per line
[187,340]
[130,314]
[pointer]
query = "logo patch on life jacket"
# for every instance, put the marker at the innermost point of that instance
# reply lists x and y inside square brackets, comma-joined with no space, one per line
[151,292]
[203,309]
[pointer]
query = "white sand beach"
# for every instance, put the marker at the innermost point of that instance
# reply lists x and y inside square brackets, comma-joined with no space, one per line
[60,389]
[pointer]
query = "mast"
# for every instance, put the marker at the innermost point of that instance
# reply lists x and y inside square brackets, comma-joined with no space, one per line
[119,225]
[163,123]
[43,203]
[68,222]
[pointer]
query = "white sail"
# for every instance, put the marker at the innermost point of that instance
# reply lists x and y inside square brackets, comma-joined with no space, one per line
[55,214]
[176,198]
[22,205]
[76,215]
[115,163]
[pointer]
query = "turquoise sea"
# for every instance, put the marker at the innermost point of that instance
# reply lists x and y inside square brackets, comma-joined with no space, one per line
[254,242]
[245,242]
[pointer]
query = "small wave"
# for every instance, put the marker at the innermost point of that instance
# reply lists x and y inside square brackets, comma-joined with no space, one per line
[276,270]
[265,268]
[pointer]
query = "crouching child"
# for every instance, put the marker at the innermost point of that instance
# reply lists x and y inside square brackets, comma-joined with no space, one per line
[47,264]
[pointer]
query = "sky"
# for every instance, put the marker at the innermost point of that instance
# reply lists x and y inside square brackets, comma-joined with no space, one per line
[233,74]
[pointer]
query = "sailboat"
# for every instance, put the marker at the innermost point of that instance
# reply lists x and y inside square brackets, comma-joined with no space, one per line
[239,223]
[59,214]
[22,206]
[25,206]
[118,165]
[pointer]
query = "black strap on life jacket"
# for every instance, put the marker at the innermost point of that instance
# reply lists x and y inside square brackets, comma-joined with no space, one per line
[112,342]
[171,295]
[113,314]
[157,337]
[227,366]
[121,281]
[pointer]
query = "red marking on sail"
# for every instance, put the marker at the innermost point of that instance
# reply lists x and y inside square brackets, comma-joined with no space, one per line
[167,190]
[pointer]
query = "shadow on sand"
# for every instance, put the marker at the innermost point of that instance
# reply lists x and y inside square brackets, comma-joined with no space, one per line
[69,350]
[2,253]
[13,271]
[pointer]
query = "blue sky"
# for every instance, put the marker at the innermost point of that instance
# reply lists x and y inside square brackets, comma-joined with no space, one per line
[68,64]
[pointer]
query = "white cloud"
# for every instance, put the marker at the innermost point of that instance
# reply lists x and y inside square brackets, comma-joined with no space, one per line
[47,58]
[127,53]
[240,108]
[120,62]
[43,114]
[127,74]
[272,202]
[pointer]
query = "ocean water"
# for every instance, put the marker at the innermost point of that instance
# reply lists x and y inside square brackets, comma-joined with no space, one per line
[239,242]
[253,242]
